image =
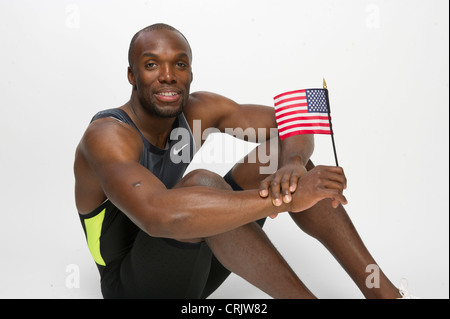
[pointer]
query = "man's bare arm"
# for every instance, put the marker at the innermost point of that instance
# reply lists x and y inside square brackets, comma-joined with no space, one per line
[295,151]
[227,116]
[182,213]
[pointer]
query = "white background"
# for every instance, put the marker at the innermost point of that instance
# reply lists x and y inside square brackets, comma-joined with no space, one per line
[386,65]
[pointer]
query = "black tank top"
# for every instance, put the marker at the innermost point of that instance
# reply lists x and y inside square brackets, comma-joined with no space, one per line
[109,232]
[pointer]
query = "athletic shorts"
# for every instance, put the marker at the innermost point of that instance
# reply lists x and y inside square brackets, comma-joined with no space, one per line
[161,268]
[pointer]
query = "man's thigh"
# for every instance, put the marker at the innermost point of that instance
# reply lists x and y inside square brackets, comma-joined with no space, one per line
[202,177]
[164,268]
[246,174]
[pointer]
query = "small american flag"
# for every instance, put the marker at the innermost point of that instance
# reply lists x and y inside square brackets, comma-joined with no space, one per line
[302,112]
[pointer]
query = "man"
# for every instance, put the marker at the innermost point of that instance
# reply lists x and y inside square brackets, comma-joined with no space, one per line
[156,234]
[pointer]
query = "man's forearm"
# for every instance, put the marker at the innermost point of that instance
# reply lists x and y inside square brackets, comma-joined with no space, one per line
[296,149]
[294,154]
[198,212]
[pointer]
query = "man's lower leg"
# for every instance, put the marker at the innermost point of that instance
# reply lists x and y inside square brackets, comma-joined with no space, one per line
[334,229]
[247,252]
[330,226]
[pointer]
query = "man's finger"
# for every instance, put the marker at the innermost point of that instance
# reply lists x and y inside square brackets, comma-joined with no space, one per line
[293,183]
[275,191]
[285,188]
[337,198]
[264,187]
[330,184]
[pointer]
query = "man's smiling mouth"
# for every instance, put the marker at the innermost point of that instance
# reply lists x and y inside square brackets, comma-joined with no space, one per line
[167,97]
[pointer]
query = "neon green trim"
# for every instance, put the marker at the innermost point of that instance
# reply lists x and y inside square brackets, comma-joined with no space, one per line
[93,232]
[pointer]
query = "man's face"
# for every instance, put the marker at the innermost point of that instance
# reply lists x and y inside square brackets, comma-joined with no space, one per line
[161,72]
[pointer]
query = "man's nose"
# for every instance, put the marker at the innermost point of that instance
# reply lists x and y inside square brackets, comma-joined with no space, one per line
[167,74]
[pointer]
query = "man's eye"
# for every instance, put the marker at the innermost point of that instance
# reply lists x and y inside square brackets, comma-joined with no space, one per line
[182,65]
[150,65]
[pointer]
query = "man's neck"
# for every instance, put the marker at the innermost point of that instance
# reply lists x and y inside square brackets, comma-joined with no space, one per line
[155,129]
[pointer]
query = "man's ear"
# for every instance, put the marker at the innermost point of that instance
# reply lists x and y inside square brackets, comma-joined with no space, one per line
[131,78]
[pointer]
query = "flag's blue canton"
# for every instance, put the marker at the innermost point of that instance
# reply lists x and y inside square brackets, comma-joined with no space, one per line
[316,100]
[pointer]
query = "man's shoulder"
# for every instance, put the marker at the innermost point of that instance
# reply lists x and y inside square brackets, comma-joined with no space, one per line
[107,130]
[107,125]
[205,104]
[204,97]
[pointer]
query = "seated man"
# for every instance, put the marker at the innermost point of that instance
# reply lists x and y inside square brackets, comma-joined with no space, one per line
[156,234]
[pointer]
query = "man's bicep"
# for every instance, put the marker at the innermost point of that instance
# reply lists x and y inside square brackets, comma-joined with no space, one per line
[108,140]
[134,190]
[217,112]
[248,121]
[129,185]
[113,156]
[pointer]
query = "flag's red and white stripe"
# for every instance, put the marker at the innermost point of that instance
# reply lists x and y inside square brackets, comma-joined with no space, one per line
[293,117]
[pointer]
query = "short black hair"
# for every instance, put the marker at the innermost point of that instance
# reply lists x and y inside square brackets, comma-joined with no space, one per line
[156,26]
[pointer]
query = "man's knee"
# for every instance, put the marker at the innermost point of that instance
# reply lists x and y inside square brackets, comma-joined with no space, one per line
[203,177]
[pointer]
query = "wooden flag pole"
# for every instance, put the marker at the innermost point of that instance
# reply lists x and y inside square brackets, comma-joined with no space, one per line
[329,120]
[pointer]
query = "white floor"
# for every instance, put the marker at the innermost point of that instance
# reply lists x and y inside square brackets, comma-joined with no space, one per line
[386,65]
[47,256]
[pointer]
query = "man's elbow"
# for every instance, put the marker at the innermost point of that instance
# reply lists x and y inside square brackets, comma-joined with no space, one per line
[166,225]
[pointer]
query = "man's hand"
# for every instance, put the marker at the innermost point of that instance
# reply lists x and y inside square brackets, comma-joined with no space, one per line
[319,183]
[292,184]
[282,184]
